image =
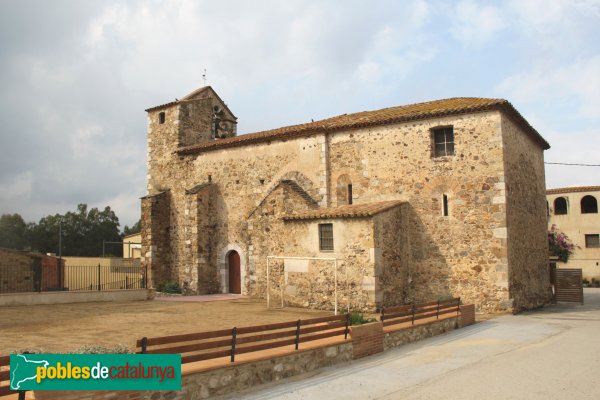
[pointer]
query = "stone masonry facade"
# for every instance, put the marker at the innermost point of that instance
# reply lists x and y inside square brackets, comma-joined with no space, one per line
[471,223]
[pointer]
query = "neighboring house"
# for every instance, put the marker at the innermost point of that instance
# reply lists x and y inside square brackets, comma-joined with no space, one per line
[416,202]
[574,211]
[24,271]
[132,245]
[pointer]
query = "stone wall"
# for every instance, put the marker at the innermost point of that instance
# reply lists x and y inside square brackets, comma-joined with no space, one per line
[391,255]
[419,332]
[80,296]
[313,285]
[268,235]
[156,238]
[526,233]
[455,255]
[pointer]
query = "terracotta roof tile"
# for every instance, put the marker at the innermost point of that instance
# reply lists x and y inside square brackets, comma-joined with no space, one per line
[347,211]
[411,112]
[575,189]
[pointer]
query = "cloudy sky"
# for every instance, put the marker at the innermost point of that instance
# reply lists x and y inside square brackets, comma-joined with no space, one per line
[76,76]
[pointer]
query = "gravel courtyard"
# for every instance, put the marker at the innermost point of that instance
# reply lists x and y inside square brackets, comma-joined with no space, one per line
[67,327]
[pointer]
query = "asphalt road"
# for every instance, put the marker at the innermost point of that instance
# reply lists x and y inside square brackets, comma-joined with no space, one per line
[553,353]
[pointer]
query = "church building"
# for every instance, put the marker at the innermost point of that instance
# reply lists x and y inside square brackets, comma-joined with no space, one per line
[377,208]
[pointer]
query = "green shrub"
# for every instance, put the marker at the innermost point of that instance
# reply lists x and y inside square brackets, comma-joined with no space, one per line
[357,318]
[168,287]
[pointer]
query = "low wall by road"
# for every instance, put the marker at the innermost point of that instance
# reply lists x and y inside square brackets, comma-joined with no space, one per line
[35,298]
[217,377]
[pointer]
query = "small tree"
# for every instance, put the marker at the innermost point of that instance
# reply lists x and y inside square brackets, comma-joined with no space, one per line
[560,245]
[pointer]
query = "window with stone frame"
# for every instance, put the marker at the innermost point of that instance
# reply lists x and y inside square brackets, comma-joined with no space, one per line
[326,237]
[443,141]
[161,117]
[592,240]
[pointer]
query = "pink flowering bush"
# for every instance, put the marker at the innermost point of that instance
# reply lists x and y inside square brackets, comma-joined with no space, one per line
[560,244]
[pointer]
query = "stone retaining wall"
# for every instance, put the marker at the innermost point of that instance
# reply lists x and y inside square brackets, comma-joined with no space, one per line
[206,384]
[418,332]
[365,340]
[35,298]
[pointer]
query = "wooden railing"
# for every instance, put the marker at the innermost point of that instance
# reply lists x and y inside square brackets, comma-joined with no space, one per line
[231,342]
[5,379]
[414,312]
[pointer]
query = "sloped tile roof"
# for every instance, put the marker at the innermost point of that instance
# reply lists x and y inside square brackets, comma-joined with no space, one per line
[575,189]
[411,112]
[346,211]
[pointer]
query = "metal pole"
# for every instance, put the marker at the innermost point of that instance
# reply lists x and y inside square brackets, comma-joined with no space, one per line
[60,266]
[60,238]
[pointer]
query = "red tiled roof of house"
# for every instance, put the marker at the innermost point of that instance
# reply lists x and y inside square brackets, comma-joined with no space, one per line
[411,112]
[575,189]
[346,211]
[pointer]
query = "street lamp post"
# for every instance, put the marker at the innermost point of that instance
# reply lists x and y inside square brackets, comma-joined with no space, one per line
[60,238]
[60,264]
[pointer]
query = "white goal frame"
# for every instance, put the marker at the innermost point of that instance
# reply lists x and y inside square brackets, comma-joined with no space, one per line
[335,277]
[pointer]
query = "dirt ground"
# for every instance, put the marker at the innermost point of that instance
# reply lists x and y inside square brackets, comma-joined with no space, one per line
[67,327]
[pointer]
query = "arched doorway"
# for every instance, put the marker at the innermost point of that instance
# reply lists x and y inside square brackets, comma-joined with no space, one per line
[235,281]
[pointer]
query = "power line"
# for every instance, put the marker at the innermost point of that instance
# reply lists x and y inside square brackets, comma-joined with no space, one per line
[578,165]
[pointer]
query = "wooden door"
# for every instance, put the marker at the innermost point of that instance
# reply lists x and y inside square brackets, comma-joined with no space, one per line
[235,283]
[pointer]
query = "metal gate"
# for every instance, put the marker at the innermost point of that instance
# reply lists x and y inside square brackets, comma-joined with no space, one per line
[568,285]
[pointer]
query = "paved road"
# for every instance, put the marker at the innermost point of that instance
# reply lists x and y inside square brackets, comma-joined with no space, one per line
[549,354]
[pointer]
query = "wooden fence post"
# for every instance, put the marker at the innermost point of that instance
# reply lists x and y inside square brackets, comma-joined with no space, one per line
[233,337]
[297,333]
[347,326]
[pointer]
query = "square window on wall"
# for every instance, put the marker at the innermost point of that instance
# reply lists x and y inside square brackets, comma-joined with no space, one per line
[443,141]
[326,237]
[592,240]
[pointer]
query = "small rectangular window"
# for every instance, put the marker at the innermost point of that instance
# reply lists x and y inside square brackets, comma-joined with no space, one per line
[445,201]
[161,117]
[350,194]
[326,237]
[592,240]
[443,141]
